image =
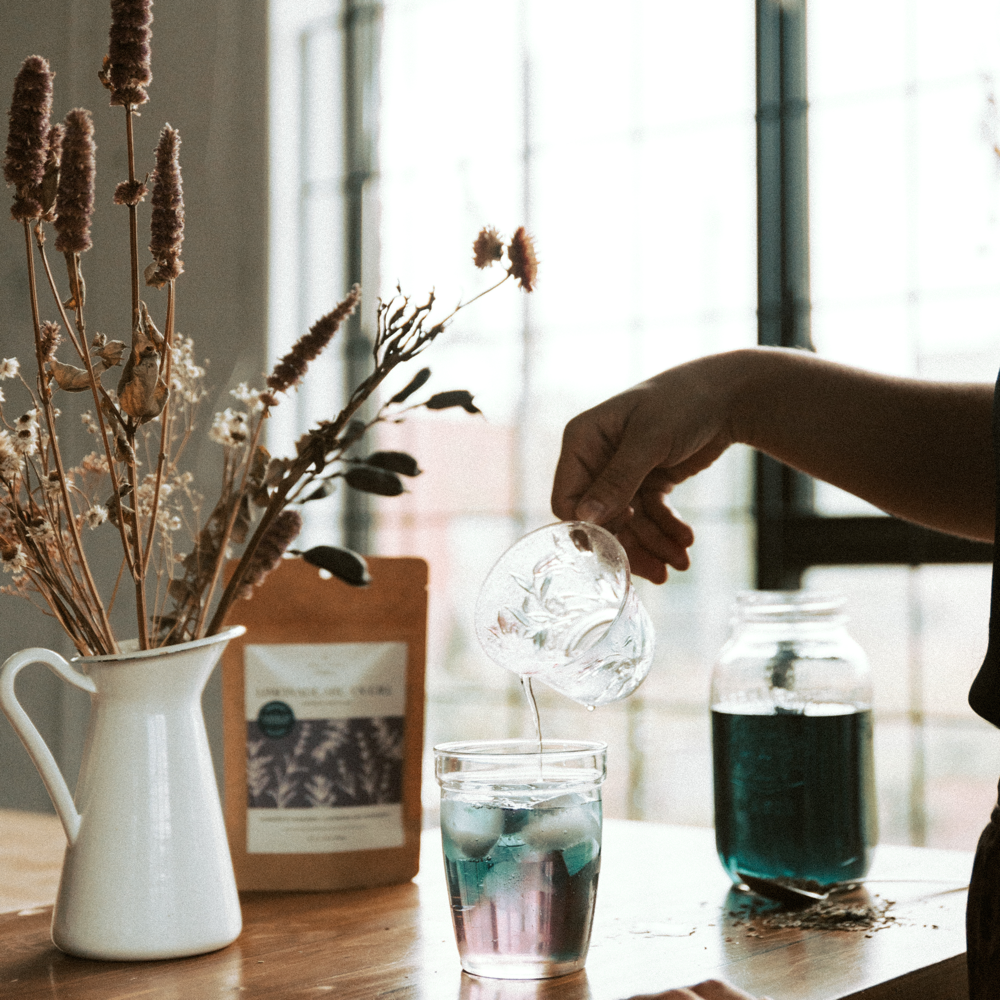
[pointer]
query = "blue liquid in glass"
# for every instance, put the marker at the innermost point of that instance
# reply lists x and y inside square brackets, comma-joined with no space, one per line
[794,793]
[523,883]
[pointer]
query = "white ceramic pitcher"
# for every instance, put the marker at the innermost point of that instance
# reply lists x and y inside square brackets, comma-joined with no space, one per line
[147,872]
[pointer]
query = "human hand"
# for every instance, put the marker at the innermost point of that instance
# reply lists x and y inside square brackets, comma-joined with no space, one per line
[621,459]
[711,989]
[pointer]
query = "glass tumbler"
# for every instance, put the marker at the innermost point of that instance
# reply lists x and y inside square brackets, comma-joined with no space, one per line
[521,834]
[559,605]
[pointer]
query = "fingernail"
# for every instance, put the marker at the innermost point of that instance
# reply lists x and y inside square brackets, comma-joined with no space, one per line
[591,510]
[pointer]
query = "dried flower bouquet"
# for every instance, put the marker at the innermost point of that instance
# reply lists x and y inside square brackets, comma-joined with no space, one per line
[132,482]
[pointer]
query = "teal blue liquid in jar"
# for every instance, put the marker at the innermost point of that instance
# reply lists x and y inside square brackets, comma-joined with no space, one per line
[793,764]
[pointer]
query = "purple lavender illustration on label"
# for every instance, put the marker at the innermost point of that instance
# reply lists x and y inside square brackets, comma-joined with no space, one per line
[324,746]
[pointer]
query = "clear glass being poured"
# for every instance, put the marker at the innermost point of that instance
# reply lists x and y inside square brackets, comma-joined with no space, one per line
[559,606]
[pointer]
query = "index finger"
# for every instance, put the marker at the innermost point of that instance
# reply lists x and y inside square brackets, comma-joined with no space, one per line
[581,457]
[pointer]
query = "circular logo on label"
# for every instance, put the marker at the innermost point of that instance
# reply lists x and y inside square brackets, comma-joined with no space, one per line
[276,719]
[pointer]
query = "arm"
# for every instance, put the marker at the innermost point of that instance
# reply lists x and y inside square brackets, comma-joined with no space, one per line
[920,450]
[711,989]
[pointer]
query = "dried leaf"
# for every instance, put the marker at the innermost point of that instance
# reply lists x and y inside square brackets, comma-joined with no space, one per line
[369,480]
[150,329]
[151,275]
[70,378]
[111,353]
[276,470]
[259,464]
[243,522]
[394,461]
[123,450]
[342,563]
[412,386]
[454,397]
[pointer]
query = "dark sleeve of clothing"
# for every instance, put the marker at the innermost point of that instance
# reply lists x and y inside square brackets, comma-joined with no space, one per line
[982,917]
[984,696]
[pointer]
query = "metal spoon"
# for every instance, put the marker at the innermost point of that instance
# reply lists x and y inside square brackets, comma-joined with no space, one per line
[780,892]
[790,895]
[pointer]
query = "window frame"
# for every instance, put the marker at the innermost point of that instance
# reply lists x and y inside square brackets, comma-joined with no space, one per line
[791,535]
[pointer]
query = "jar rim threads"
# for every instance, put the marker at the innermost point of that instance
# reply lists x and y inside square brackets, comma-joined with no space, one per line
[790,606]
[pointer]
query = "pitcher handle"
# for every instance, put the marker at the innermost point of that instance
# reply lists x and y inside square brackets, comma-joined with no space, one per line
[37,749]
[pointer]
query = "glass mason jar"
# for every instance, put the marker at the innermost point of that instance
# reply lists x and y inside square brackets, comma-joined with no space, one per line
[792,742]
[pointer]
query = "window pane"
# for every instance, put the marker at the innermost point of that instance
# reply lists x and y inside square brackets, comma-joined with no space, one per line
[634,170]
[925,631]
[904,190]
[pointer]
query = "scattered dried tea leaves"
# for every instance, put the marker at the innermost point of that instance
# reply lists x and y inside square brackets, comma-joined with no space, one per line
[832,915]
[857,912]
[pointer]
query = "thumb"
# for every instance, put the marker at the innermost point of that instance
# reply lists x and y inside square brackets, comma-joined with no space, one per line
[612,491]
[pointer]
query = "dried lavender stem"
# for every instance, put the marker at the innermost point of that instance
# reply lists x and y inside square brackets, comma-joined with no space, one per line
[485,291]
[92,601]
[168,336]
[73,268]
[220,557]
[139,569]
[133,219]
[80,626]
[83,647]
[227,533]
[277,502]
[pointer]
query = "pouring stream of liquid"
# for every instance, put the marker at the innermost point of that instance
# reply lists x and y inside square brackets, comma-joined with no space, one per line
[533,706]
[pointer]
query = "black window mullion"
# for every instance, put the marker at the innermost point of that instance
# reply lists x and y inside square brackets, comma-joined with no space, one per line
[791,536]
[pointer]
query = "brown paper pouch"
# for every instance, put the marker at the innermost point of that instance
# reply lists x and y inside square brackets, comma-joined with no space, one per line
[323,716]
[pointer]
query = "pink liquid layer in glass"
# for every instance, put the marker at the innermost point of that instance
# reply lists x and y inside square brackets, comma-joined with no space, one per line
[523,902]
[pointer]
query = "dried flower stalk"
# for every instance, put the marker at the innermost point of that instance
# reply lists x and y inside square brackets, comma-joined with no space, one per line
[75,193]
[27,139]
[132,478]
[167,225]
[126,71]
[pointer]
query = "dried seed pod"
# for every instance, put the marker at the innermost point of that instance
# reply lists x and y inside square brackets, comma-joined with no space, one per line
[412,386]
[368,480]
[394,461]
[453,397]
[326,488]
[110,353]
[141,392]
[342,563]
[353,433]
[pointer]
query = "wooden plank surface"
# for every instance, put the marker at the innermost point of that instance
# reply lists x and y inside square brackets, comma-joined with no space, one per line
[32,846]
[663,919]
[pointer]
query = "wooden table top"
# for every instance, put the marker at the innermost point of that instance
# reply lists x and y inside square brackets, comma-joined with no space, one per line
[665,917]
